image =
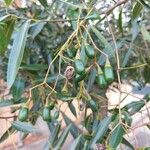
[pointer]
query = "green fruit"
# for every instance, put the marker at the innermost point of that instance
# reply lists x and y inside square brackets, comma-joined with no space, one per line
[108,72]
[109,75]
[90,51]
[23,114]
[79,67]
[79,78]
[46,114]
[101,81]
[71,53]
[51,105]
[92,104]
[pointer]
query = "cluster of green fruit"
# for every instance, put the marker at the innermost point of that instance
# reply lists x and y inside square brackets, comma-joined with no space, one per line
[46,112]
[103,78]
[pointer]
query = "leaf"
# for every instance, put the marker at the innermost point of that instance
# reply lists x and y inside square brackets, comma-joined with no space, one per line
[134,107]
[91,80]
[16,53]
[72,109]
[101,130]
[145,33]
[120,22]
[108,48]
[34,67]
[6,32]
[125,142]
[24,127]
[43,3]
[36,29]
[7,134]
[116,136]
[76,143]
[4,103]
[62,138]
[73,130]
[136,10]
[144,4]
[17,89]
[54,135]
[8,2]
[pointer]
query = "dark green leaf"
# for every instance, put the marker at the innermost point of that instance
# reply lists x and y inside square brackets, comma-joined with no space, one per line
[72,109]
[5,136]
[144,4]
[34,67]
[17,89]
[76,143]
[101,130]
[54,135]
[43,3]
[120,22]
[62,137]
[134,107]
[136,10]
[4,103]
[127,143]
[16,53]
[24,127]
[116,136]
[6,32]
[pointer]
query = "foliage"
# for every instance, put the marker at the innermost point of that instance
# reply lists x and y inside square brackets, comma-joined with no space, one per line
[66,50]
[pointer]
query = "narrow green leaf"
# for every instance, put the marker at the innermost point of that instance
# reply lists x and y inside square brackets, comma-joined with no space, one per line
[16,53]
[17,89]
[136,10]
[134,107]
[54,135]
[6,32]
[144,4]
[127,143]
[73,130]
[5,136]
[116,136]
[120,22]
[108,48]
[8,2]
[145,33]
[72,109]
[34,67]
[24,127]
[76,143]
[91,80]
[101,130]
[4,103]
[43,3]
[62,138]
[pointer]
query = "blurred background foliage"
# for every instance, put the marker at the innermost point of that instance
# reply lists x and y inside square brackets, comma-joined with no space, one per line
[32,33]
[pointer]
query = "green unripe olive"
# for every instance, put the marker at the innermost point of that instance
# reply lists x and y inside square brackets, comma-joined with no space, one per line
[101,81]
[79,78]
[92,104]
[71,53]
[23,114]
[89,50]
[109,75]
[46,114]
[79,67]
[108,72]
[51,105]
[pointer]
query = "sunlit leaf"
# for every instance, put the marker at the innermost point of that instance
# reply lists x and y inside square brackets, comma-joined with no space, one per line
[16,53]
